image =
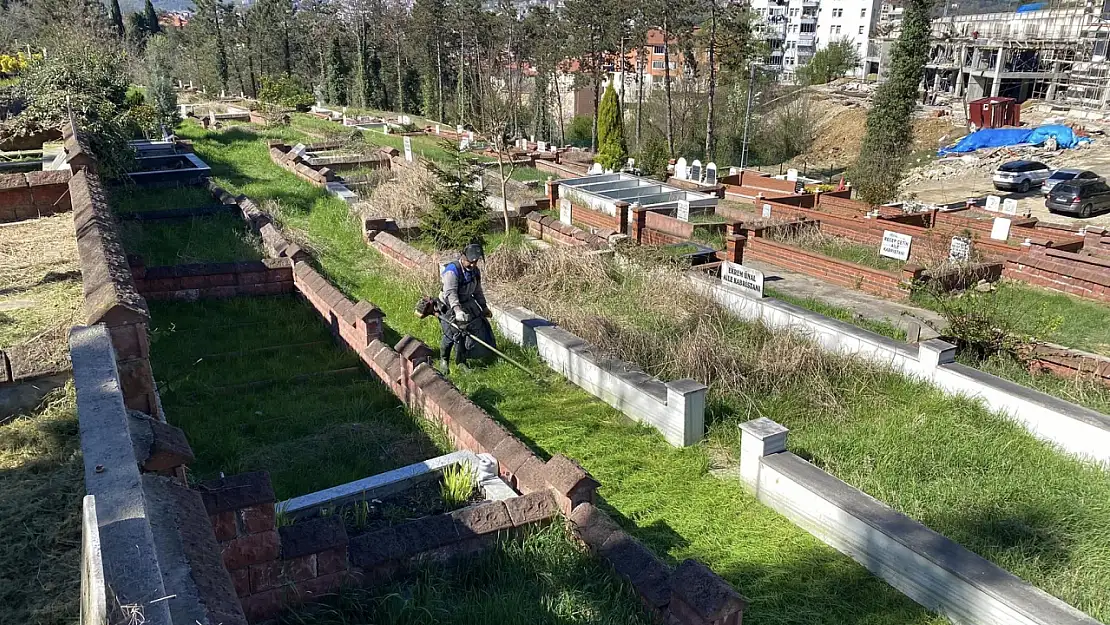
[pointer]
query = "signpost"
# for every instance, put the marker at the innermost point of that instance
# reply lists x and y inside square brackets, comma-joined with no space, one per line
[744,278]
[408,149]
[1000,231]
[895,245]
[684,210]
[1009,206]
[992,203]
[959,251]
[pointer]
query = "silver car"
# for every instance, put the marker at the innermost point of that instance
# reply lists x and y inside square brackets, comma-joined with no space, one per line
[1020,176]
[1060,175]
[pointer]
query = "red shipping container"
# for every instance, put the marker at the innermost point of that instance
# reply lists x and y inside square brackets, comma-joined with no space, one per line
[994,112]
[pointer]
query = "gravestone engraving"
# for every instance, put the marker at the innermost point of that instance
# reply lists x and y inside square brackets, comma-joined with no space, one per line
[683,212]
[743,278]
[711,174]
[993,202]
[766,211]
[541,146]
[1009,206]
[695,171]
[565,211]
[895,245]
[959,251]
[408,149]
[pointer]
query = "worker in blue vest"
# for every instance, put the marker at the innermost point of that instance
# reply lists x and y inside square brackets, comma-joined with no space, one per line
[463,312]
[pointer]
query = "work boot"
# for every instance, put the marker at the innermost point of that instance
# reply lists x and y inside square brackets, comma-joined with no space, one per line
[444,365]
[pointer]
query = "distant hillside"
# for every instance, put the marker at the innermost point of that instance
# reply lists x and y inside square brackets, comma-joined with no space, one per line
[133,6]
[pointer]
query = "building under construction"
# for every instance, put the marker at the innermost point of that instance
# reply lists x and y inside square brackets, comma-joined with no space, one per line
[1054,50]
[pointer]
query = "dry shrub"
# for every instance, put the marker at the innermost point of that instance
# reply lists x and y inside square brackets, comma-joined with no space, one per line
[653,317]
[402,197]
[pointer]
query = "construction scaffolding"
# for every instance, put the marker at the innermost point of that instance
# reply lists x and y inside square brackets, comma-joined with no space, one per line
[1054,50]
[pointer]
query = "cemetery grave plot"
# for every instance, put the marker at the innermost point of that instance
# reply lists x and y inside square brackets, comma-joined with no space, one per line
[667,496]
[814,240]
[259,384]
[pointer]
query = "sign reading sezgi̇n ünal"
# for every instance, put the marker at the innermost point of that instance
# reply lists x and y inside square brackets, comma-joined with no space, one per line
[895,245]
[746,279]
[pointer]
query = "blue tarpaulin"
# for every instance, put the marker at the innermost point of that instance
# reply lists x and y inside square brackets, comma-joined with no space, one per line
[999,137]
[1035,6]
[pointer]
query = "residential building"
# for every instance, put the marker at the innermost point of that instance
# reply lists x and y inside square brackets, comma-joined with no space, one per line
[794,30]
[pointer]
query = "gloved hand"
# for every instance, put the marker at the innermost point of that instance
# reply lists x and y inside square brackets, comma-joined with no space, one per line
[487,313]
[461,316]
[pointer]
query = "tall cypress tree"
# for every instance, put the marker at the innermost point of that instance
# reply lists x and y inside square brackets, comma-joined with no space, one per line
[882,159]
[338,75]
[610,131]
[115,17]
[150,17]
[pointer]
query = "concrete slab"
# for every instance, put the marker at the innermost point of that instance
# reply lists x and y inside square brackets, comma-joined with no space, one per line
[863,304]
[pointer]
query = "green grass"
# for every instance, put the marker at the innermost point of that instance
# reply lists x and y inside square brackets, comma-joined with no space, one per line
[859,254]
[41,485]
[212,238]
[134,199]
[836,312]
[1047,315]
[309,434]
[1032,510]
[544,579]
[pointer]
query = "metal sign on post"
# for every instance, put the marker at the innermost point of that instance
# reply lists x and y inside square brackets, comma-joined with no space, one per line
[993,201]
[683,210]
[1009,206]
[564,211]
[959,250]
[408,149]
[895,245]
[1000,230]
[744,278]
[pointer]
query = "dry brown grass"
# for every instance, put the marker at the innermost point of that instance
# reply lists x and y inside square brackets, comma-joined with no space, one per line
[402,197]
[40,291]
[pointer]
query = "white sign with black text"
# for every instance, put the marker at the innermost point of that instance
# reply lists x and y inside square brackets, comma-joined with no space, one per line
[993,202]
[408,149]
[1000,231]
[683,210]
[744,278]
[1009,206]
[766,211]
[896,245]
[564,210]
[959,251]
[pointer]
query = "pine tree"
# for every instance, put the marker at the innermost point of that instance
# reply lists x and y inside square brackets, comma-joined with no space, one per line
[338,75]
[459,215]
[882,159]
[610,132]
[115,16]
[150,17]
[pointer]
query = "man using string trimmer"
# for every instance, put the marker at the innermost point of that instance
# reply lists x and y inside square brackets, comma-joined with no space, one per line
[462,310]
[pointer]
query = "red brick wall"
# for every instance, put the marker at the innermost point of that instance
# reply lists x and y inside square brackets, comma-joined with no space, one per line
[832,270]
[356,323]
[595,219]
[562,169]
[214,280]
[665,224]
[399,251]
[554,231]
[752,183]
[1067,272]
[34,194]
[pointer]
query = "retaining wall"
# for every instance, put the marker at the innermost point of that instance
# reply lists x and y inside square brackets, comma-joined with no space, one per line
[1073,428]
[214,280]
[1066,272]
[358,324]
[929,568]
[34,194]
[393,247]
[748,184]
[676,409]
[554,231]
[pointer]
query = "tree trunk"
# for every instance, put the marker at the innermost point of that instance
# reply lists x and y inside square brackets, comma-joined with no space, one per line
[559,102]
[400,87]
[709,138]
[461,89]
[439,67]
[667,87]
[640,97]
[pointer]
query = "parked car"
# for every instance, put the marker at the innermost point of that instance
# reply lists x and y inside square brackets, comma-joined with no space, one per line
[1061,175]
[1021,176]
[1079,197]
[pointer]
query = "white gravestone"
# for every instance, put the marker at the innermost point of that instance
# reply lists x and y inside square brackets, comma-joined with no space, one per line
[895,245]
[1000,230]
[406,120]
[470,135]
[959,251]
[683,210]
[993,201]
[595,170]
[408,148]
[792,175]
[437,129]
[458,129]
[711,174]
[732,171]
[695,171]
[464,144]
[1009,206]
[766,211]
[541,146]
[744,278]
[680,168]
[299,150]
[564,210]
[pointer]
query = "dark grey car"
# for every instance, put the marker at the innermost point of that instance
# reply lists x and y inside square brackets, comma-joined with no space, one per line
[1081,198]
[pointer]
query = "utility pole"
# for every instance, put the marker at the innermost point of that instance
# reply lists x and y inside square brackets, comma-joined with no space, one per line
[748,117]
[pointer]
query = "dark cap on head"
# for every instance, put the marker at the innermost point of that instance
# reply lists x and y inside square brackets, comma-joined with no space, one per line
[473,252]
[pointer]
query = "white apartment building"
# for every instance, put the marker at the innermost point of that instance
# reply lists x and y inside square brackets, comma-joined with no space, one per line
[795,29]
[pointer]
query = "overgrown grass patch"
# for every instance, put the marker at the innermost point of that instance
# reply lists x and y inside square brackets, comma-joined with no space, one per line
[131,198]
[837,312]
[667,497]
[207,239]
[544,579]
[41,486]
[252,382]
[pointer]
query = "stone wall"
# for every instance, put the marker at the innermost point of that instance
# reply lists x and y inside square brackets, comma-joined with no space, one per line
[109,290]
[1067,272]
[34,194]
[748,184]
[554,231]
[357,324]
[214,280]
[376,236]
[931,569]
[273,241]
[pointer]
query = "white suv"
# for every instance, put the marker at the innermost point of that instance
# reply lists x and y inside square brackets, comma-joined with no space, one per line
[1021,176]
